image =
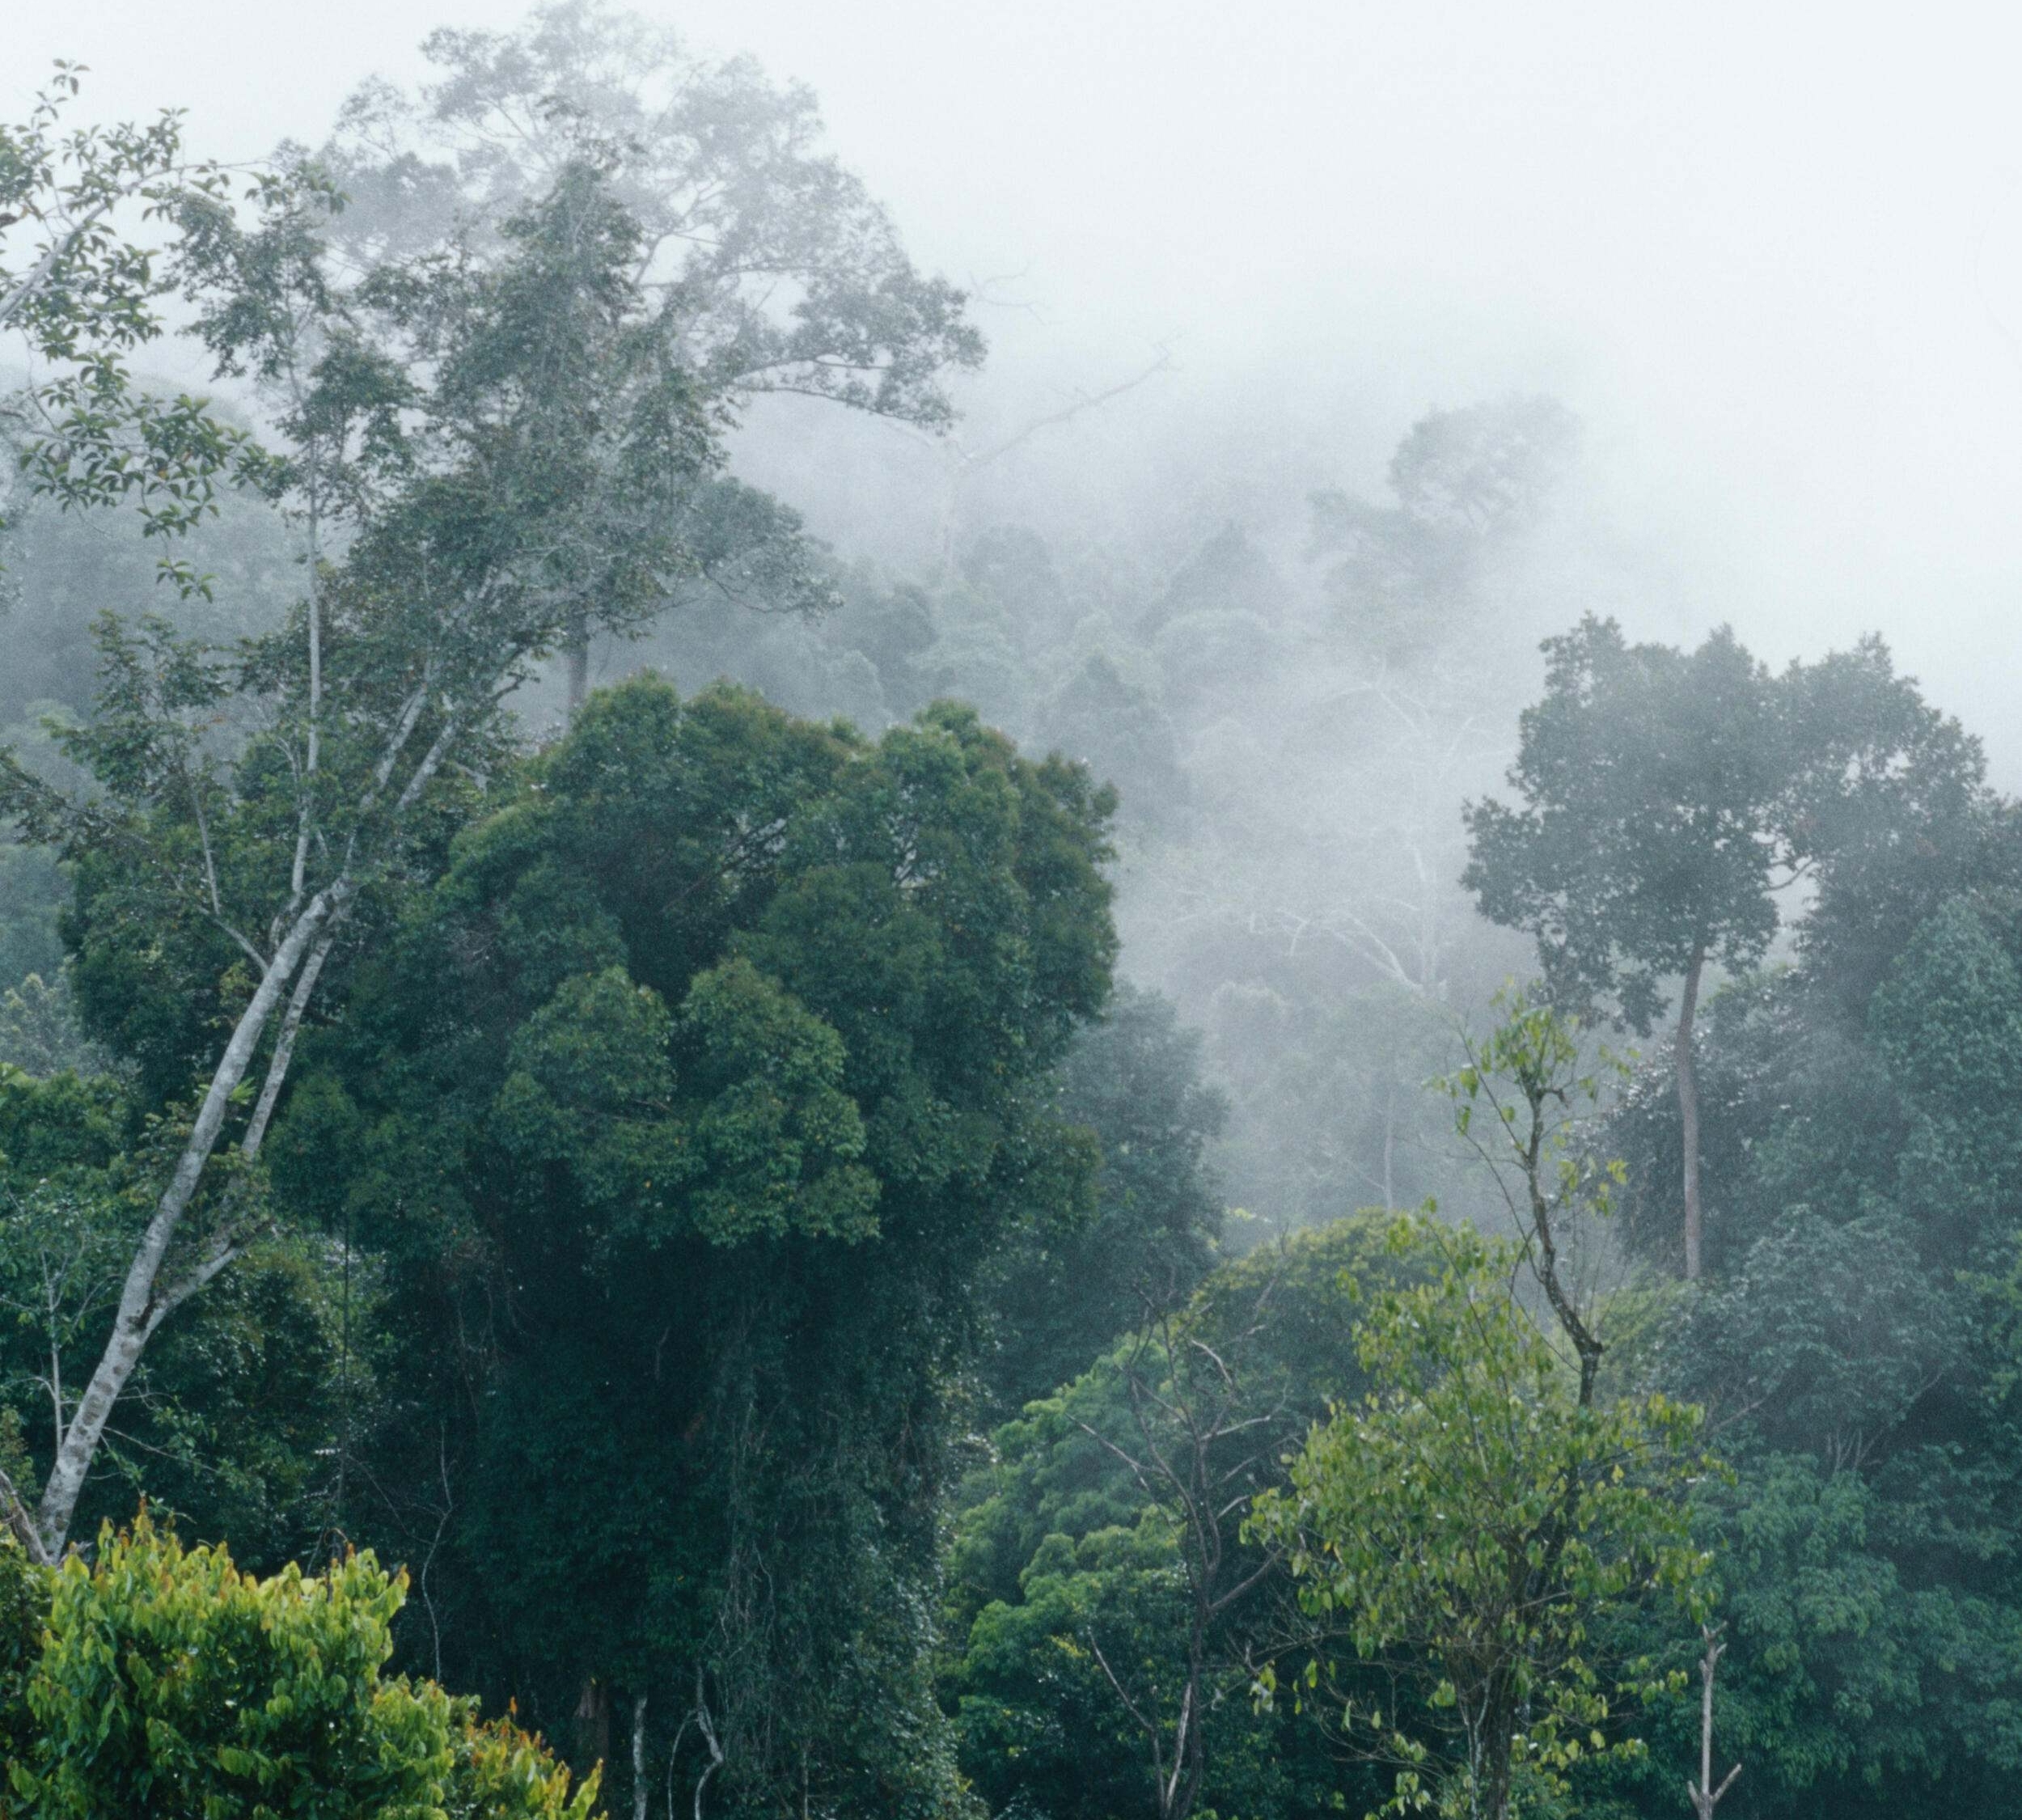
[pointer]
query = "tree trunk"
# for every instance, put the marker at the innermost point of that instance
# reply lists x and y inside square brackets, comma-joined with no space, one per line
[143,1304]
[576,663]
[1705,1796]
[639,1790]
[1495,1769]
[1689,1111]
[593,1723]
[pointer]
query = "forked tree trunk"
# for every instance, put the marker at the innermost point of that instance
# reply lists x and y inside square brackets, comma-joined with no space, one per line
[145,1302]
[1689,1111]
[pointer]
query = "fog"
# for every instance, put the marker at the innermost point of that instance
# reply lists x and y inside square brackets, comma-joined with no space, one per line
[1520,504]
[1225,260]
[1772,258]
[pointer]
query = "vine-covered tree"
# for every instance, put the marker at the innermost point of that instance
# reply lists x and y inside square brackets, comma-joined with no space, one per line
[689,1113]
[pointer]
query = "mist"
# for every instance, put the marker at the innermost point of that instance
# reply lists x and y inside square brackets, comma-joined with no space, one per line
[1775,263]
[1348,745]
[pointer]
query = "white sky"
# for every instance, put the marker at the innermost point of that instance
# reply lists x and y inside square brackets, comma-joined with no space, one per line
[1772,253]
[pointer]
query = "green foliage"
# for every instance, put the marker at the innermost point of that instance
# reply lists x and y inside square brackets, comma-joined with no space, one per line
[24,1607]
[1062,1550]
[774,1149]
[1532,1075]
[1135,1081]
[1857,1350]
[80,295]
[1620,891]
[1042,1726]
[687,1115]
[170,1682]
[1468,1521]
[1668,794]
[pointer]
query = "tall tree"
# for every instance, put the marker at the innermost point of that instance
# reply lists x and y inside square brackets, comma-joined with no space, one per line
[689,1115]
[524,436]
[774,269]
[1667,797]
[1651,835]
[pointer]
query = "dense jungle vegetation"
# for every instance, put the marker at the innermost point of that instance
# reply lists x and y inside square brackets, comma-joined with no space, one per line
[642,1168]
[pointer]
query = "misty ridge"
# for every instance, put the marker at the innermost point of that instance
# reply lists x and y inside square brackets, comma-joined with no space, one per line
[747,1069]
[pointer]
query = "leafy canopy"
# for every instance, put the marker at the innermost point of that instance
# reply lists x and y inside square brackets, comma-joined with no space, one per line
[1466,1522]
[169,1682]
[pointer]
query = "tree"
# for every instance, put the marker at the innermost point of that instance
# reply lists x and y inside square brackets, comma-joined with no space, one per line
[167,1681]
[1465,1524]
[1706,1794]
[524,440]
[1667,797]
[1082,1563]
[1525,1077]
[1650,837]
[687,1117]
[1202,1441]
[774,270]
[1482,1508]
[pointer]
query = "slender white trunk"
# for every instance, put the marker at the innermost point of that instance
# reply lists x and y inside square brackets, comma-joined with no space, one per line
[285,1042]
[1704,1795]
[639,1790]
[142,1302]
[709,1738]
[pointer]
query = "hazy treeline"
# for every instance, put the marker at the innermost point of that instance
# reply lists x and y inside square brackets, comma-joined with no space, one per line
[914,1184]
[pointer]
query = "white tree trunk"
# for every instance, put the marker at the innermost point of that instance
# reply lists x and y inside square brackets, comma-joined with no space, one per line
[143,1303]
[639,1789]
